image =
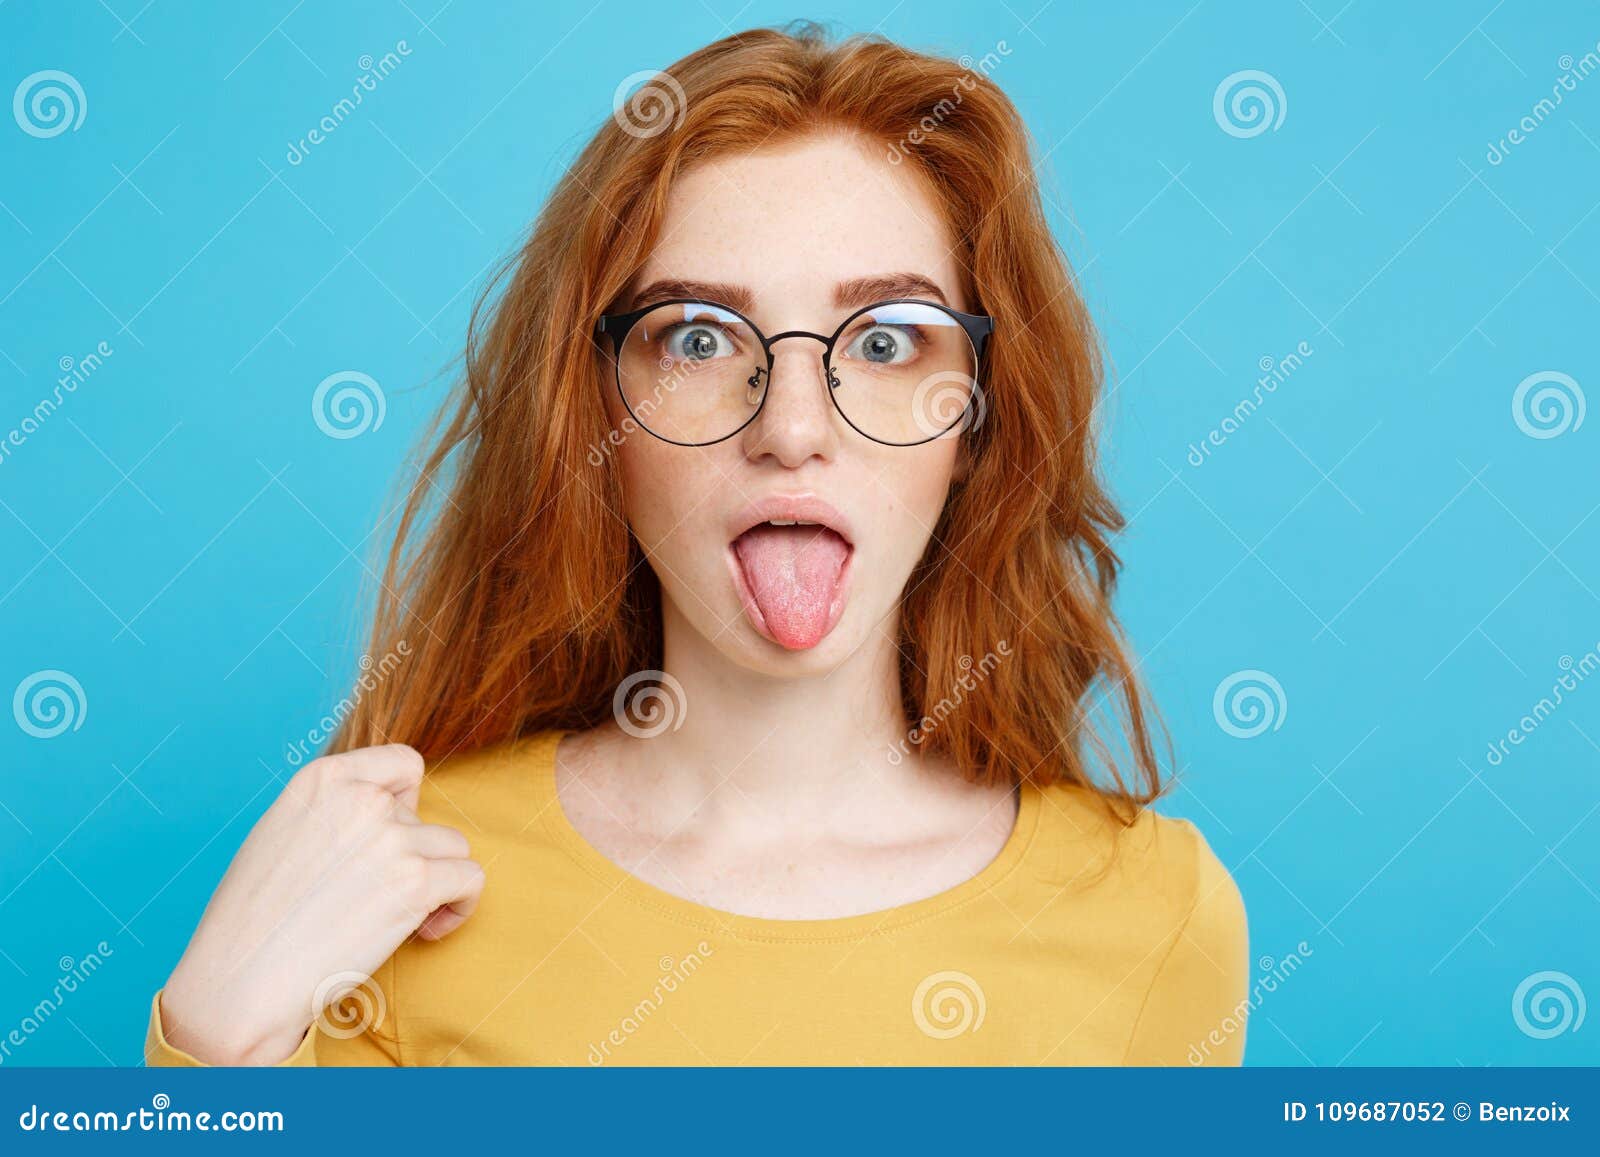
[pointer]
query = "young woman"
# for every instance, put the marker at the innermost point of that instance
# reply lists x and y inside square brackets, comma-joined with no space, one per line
[753,621]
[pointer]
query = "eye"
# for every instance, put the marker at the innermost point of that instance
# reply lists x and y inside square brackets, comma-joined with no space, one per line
[697,342]
[886,345]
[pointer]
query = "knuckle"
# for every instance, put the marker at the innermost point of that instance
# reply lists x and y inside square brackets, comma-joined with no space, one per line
[366,803]
[391,840]
[312,777]
[308,790]
[398,755]
[407,876]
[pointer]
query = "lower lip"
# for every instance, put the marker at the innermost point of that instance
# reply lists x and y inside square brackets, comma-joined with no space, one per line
[752,609]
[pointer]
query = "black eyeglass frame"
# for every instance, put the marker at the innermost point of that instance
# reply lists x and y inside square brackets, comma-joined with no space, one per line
[617,326]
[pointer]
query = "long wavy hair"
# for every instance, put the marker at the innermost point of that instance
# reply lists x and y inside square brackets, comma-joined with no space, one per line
[514,588]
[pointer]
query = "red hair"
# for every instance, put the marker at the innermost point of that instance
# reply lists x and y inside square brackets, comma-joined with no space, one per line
[525,600]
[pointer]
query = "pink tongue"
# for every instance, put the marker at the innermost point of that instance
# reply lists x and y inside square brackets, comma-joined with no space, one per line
[793,572]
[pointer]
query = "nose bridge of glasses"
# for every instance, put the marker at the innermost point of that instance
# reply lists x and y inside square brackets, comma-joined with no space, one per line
[788,333]
[772,354]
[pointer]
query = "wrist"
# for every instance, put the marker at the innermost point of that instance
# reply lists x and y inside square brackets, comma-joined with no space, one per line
[230,1033]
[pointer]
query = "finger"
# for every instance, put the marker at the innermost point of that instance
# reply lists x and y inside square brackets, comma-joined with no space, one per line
[394,767]
[464,878]
[436,841]
[454,884]
[440,923]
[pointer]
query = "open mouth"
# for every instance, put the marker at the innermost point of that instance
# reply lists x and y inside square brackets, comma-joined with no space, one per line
[791,561]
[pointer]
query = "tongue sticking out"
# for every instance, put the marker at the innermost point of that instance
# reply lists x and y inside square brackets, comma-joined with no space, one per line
[793,574]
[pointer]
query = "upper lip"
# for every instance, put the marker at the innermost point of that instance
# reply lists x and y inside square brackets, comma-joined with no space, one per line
[791,508]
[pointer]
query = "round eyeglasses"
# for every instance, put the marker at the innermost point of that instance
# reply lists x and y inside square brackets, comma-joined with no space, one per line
[900,372]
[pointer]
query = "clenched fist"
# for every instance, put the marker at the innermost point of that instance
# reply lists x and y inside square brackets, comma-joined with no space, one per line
[336,874]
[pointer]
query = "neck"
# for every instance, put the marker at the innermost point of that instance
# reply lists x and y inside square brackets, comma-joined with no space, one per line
[792,746]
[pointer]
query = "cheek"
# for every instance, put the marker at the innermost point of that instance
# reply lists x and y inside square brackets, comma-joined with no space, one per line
[643,472]
[663,491]
[926,477]
[644,489]
[917,480]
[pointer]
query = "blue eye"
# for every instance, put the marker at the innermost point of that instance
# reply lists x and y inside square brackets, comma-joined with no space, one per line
[697,342]
[885,345]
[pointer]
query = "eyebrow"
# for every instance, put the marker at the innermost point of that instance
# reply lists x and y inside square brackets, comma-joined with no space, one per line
[711,292]
[850,294]
[866,290]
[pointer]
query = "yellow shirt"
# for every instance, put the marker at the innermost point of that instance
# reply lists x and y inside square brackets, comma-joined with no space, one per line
[1041,958]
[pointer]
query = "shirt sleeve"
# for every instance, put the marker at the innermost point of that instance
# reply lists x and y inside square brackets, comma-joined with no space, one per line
[1197,1005]
[358,1030]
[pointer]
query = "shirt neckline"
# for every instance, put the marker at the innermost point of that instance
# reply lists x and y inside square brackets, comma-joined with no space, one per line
[623,882]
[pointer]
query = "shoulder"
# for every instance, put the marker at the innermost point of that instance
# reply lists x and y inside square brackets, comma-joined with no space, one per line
[1158,866]
[1159,920]
[504,785]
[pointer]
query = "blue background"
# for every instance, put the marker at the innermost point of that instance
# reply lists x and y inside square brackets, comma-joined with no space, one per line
[1380,535]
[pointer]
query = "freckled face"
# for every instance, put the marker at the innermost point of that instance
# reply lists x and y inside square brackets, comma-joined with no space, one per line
[789,226]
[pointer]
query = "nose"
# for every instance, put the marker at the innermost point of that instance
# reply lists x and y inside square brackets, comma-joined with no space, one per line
[796,420]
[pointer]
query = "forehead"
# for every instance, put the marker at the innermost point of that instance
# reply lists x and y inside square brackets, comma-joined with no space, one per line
[793,219]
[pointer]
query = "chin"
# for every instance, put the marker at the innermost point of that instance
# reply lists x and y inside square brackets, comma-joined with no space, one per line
[747,648]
